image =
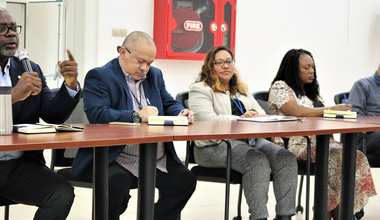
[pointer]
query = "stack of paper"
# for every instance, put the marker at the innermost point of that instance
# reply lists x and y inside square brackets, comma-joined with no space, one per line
[269,118]
[339,114]
[168,120]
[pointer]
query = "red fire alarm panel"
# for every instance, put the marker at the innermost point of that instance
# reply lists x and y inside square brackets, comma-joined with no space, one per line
[188,29]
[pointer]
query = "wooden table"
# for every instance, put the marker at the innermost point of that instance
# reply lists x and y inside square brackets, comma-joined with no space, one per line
[311,126]
[106,135]
[102,135]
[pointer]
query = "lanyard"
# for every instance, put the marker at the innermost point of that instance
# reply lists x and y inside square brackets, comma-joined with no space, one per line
[251,141]
[139,103]
[238,104]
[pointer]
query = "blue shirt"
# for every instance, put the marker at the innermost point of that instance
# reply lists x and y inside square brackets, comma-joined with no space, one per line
[365,96]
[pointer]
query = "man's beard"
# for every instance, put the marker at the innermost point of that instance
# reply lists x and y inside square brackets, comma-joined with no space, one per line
[8,52]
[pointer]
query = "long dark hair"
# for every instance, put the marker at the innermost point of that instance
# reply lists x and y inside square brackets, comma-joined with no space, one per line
[289,72]
[211,79]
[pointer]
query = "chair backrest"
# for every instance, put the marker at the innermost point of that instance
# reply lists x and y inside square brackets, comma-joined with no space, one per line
[261,95]
[339,98]
[262,98]
[65,157]
[182,98]
[4,202]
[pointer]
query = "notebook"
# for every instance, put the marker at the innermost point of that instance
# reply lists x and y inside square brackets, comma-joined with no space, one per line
[339,114]
[168,120]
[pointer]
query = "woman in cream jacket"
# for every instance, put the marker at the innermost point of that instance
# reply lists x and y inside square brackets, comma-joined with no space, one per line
[219,94]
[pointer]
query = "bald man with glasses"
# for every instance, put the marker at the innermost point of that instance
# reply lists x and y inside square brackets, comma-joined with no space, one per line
[130,89]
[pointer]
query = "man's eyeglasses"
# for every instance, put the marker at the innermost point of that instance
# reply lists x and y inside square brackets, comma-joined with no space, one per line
[139,60]
[118,49]
[4,30]
[221,63]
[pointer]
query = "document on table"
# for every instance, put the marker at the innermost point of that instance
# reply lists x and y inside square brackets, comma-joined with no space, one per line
[270,118]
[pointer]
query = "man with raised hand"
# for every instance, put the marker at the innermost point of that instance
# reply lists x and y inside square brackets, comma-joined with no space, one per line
[24,178]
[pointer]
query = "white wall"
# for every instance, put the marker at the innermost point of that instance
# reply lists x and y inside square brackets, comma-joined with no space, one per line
[134,16]
[343,35]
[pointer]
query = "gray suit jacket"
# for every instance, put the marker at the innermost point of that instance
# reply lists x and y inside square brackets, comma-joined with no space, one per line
[210,106]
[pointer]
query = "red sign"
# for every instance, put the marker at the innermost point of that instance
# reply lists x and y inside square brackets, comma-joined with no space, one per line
[193,25]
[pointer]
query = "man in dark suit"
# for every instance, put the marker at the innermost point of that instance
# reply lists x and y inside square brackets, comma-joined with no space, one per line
[24,178]
[129,89]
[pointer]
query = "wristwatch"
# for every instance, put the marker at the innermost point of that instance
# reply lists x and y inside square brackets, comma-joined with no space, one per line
[136,117]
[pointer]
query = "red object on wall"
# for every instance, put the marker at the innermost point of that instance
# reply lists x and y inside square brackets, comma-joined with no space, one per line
[188,29]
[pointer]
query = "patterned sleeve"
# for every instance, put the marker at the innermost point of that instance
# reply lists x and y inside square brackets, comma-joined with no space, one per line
[279,94]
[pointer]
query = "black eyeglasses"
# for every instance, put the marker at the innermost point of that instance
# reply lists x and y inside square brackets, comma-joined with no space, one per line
[221,63]
[118,49]
[4,30]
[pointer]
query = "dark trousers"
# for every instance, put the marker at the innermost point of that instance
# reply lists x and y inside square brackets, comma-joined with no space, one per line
[175,189]
[372,147]
[24,181]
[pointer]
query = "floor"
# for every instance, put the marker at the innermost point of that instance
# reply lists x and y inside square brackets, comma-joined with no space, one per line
[206,203]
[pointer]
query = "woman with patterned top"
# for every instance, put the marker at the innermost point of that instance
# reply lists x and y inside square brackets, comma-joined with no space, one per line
[295,91]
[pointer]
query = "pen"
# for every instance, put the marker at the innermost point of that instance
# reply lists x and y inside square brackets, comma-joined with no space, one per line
[73,126]
[183,112]
[148,102]
[345,98]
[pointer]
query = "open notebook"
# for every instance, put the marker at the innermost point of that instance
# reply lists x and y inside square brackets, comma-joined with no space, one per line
[41,128]
[270,118]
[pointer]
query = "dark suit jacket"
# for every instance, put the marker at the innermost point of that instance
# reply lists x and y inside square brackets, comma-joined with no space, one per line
[107,98]
[52,109]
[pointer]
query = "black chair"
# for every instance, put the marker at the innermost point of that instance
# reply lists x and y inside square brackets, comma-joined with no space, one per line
[305,167]
[261,95]
[65,157]
[219,175]
[6,203]
[339,98]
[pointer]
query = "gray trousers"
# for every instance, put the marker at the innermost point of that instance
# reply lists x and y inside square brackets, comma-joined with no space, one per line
[256,163]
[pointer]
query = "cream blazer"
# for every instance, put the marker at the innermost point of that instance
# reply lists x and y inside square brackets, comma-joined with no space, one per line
[208,105]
